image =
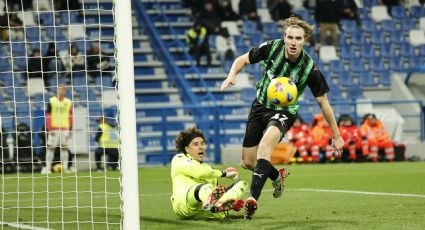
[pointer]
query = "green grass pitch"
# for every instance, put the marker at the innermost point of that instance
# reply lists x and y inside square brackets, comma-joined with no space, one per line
[325,196]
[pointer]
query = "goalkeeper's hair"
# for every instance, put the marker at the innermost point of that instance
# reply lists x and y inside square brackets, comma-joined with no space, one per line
[186,136]
[295,21]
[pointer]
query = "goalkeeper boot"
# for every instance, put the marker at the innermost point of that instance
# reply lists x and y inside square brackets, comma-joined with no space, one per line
[216,194]
[232,204]
[278,184]
[250,207]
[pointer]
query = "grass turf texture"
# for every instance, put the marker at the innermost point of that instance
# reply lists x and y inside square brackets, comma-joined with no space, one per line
[316,197]
[309,209]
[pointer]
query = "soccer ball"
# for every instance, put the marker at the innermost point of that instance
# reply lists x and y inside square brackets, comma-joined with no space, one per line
[282,92]
[57,168]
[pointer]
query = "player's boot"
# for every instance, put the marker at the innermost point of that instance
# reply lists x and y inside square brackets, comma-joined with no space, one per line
[213,197]
[232,204]
[250,207]
[278,185]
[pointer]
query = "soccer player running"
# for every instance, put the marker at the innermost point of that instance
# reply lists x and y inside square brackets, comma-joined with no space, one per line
[268,123]
[59,120]
[196,194]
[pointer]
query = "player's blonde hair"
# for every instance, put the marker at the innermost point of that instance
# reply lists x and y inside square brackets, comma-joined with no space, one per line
[295,21]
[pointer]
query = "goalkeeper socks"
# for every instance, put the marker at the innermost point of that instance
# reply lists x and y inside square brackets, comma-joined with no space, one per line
[49,159]
[235,192]
[259,177]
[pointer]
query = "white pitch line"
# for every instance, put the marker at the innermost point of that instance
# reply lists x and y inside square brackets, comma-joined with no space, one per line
[320,190]
[360,192]
[21,226]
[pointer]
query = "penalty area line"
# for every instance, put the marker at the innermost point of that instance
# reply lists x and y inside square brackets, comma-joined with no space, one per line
[359,192]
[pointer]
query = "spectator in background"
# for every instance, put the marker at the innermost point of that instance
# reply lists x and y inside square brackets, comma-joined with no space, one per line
[197,40]
[75,60]
[97,62]
[327,16]
[389,4]
[227,12]
[52,64]
[35,64]
[321,134]
[67,5]
[280,10]
[195,7]
[225,45]
[108,138]
[11,27]
[299,135]
[210,17]
[355,142]
[349,11]
[378,138]
[248,10]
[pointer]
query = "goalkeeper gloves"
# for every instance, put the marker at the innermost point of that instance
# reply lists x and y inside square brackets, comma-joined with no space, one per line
[231,173]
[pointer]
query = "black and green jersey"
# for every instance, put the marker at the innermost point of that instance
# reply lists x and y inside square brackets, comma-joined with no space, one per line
[303,72]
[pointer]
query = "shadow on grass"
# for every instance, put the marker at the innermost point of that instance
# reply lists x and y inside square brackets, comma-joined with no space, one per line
[310,224]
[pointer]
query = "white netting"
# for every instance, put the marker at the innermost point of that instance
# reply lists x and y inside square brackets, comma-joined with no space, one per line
[39,40]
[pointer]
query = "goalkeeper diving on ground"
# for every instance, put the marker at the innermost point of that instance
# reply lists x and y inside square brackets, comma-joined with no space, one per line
[196,193]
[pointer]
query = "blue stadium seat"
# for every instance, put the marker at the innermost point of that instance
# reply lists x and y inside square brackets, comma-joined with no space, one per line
[345,79]
[336,66]
[347,52]
[406,50]
[376,64]
[387,52]
[397,37]
[399,12]
[249,27]
[388,25]
[256,38]
[356,64]
[348,26]
[367,51]
[354,92]
[47,18]
[363,13]
[417,11]
[369,26]
[408,24]
[370,3]
[385,78]
[366,79]
[377,38]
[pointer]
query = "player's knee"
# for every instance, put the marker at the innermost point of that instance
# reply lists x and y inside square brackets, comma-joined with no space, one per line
[248,164]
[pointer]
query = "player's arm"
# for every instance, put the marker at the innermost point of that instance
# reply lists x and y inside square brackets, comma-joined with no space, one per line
[192,169]
[319,88]
[255,55]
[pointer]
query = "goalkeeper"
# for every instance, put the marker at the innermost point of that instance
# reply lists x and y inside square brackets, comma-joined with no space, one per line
[196,194]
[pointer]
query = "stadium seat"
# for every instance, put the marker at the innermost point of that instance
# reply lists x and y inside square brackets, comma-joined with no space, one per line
[385,78]
[408,24]
[399,12]
[249,27]
[354,92]
[416,37]
[345,79]
[397,37]
[377,38]
[336,66]
[76,31]
[347,52]
[388,25]
[356,64]
[370,3]
[417,11]
[406,50]
[366,79]
[327,54]
[422,23]
[379,13]
[264,15]
[367,51]
[369,26]
[387,52]
[348,26]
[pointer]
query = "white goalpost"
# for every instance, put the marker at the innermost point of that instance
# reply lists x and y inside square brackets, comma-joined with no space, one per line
[61,165]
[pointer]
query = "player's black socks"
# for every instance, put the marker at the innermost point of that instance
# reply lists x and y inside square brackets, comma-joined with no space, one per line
[259,177]
[273,173]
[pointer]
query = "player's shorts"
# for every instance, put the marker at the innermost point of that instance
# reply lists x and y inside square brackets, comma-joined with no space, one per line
[187,205]
[58,138]
[260,118]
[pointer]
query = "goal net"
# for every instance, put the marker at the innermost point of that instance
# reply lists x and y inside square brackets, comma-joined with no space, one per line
[60,148]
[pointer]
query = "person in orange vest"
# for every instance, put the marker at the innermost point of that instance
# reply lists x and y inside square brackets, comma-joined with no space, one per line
[59,119]
[321,134]
[354,141]
[299,135]
[377,137]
